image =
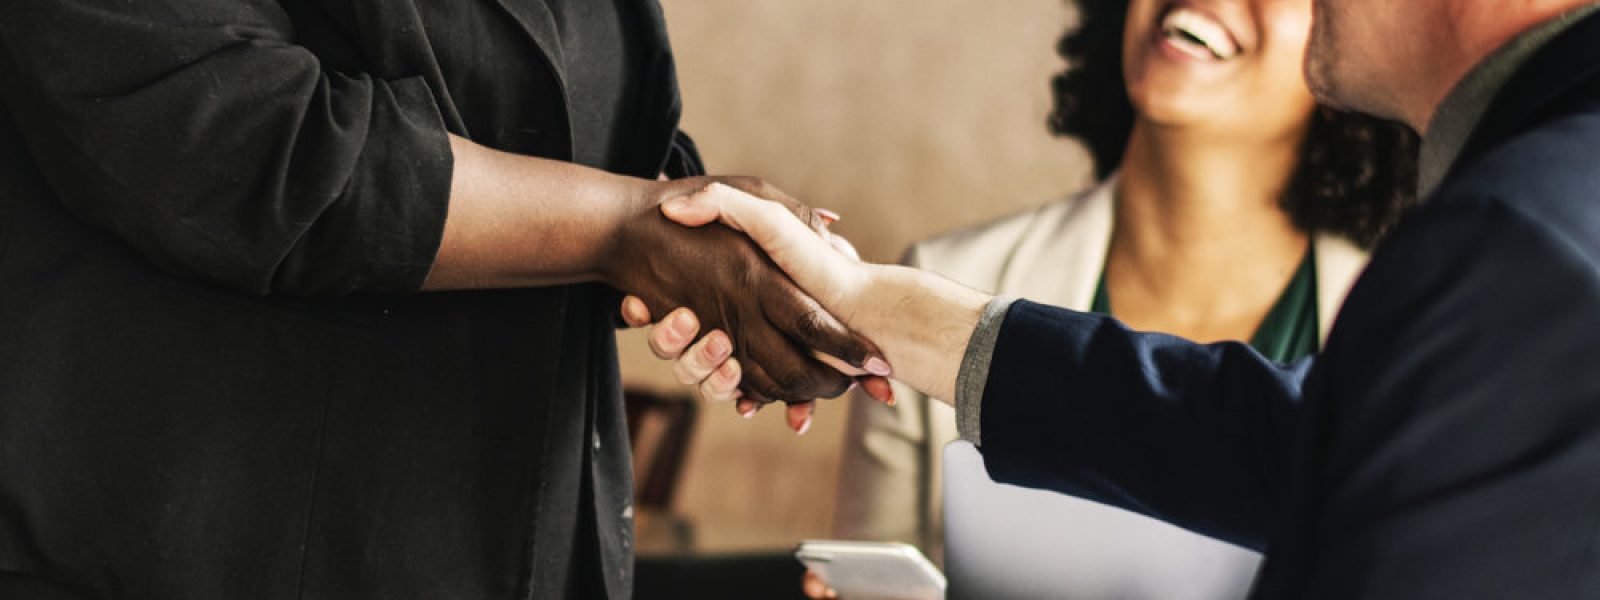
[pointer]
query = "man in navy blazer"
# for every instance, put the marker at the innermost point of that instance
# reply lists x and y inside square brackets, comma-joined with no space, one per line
[1446,444]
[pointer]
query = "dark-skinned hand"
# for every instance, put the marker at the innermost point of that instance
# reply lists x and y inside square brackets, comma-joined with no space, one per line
[730,285]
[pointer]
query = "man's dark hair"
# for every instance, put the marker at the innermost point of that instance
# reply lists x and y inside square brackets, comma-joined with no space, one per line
[1356,173]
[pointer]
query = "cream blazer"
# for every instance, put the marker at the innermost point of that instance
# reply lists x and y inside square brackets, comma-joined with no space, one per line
[890,478]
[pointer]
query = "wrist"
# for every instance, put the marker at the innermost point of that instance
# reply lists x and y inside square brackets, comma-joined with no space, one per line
[637,206]
[922,322]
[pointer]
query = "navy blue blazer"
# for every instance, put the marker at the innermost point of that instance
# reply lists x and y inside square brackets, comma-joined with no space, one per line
[1446,444]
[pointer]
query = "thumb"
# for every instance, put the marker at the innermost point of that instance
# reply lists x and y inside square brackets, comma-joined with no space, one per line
[693,210]
[814,264]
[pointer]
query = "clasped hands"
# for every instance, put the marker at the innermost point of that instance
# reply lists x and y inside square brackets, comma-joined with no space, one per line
[770,319]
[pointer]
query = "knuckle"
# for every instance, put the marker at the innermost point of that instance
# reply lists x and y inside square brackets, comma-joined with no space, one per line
[661,350]
[712,389]
[684,371]
[792,382]
[728,374]
[763,392]
[745,182]
[812,325]
[715,348]
[834,386]
[814,382]
[655,348]
[765,189]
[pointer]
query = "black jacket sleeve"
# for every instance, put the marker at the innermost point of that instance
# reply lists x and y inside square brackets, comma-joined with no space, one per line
[199,133]
[1196,435]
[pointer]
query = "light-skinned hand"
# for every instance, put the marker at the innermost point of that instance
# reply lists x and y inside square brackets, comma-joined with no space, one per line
[817,589]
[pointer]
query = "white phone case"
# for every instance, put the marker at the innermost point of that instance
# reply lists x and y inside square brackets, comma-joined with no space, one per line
[873,570]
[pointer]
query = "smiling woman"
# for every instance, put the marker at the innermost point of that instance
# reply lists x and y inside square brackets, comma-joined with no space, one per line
[1355,176]
[1232,207]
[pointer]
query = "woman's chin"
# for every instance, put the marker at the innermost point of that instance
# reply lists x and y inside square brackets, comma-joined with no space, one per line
[1181,108]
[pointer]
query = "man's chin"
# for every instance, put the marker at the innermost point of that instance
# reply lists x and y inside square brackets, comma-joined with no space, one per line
[1335,88]
[1323,84]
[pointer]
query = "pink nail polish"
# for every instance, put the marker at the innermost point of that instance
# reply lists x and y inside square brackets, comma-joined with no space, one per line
[829,217]
[877,366]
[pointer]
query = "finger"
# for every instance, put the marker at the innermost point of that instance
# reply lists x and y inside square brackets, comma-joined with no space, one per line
[815,588]
[634,312]
[839,365]
[809,260]
[692,210]
[703,358]
[799,416]
[794,374]
[844,247]
[723,384]
[805,321]
[673,334]
[747,408]
[878,388]
[816,218]
[757,385]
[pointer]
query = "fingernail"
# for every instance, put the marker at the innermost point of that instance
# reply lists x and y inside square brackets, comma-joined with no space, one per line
[718,347]
[748,412]
[804,426]
[877,366]
[854,385]
[684,325]
[826,215]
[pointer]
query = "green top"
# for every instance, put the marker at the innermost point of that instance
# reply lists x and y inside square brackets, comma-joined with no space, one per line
[1289,331]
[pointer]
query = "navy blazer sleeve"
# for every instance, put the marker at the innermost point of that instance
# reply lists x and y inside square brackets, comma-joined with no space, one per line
[199,133]
[1197,435]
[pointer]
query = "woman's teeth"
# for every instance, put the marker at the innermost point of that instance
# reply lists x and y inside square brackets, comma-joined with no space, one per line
[1198,34]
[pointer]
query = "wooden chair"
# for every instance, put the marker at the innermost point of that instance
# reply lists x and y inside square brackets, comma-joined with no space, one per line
[660,428]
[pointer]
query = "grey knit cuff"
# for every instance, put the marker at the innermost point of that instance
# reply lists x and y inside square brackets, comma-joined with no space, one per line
[974,373]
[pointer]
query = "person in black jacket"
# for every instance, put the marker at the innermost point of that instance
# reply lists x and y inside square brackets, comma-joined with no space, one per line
[217,376]
[1445,444]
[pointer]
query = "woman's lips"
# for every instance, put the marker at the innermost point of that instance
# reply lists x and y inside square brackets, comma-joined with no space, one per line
[1198,34]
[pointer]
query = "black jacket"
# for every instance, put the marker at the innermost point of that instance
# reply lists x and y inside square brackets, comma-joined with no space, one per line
[216,380]
[1446,444]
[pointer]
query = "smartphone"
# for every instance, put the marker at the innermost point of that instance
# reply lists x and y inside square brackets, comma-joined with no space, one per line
[873,570]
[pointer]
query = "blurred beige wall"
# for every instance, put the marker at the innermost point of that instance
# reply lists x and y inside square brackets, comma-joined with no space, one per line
[909,117]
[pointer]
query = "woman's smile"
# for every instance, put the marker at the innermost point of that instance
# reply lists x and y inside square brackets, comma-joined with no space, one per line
[1197,34]
[1228,65]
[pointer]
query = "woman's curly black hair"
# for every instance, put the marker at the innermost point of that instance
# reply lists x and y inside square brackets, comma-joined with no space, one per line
[1356,174]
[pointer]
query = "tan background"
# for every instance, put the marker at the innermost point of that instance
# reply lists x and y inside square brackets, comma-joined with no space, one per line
[910,117]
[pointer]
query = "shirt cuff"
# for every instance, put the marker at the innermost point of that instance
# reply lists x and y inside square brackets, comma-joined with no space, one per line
[974,373]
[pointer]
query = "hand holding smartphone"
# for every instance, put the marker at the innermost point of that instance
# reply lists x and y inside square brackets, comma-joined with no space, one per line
[873,570]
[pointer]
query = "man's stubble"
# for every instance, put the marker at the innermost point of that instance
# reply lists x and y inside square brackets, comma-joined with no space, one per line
[1321,54]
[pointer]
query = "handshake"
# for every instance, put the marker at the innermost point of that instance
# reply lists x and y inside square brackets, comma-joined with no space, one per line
[759,303]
